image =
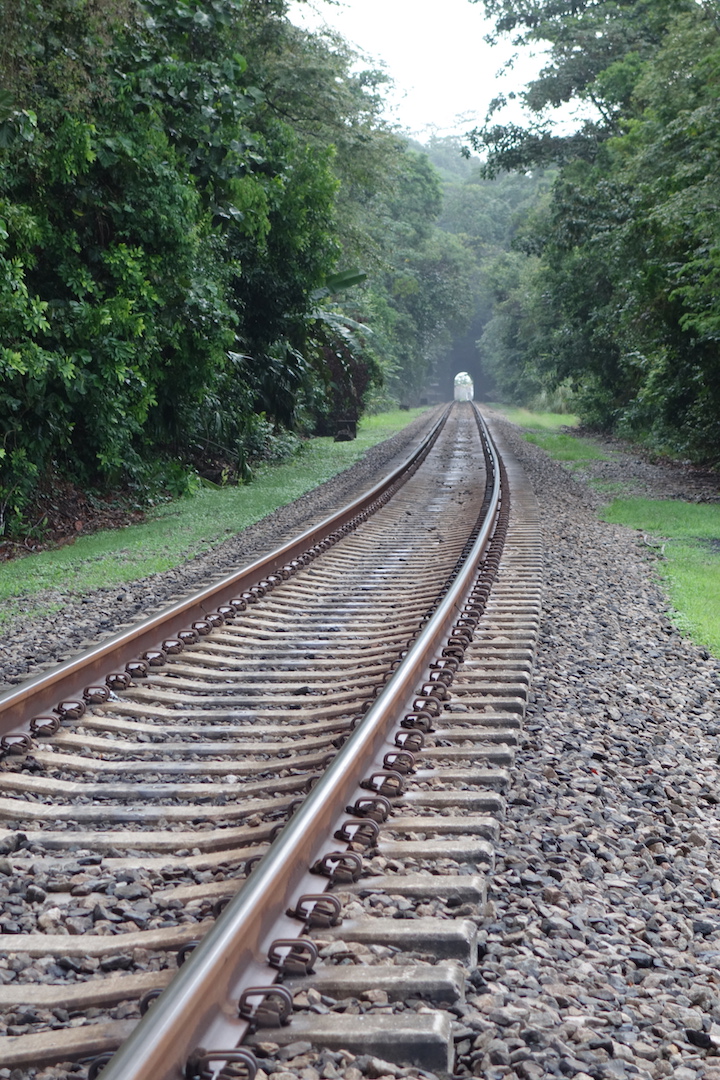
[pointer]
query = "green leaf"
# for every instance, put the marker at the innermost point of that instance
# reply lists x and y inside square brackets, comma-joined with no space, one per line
[335,283]
[344,279]
[7,105]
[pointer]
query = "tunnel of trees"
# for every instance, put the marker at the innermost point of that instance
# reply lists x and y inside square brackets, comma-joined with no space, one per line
[209,237]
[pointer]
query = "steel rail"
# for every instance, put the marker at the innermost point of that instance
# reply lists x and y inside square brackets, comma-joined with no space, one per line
[68,679]
[199,1007]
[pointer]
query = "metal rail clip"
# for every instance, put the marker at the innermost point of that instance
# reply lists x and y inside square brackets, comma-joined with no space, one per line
[199,1065]
[342,866]
[317,910]
[293,956]
[266,1006]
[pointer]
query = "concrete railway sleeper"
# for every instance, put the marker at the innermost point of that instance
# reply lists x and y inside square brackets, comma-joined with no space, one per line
[293,799]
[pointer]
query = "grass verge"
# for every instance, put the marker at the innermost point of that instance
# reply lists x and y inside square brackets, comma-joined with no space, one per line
[544,430]
[566,447]
[547,421]
[535,421]
[609,488]
[691,564]
[177,531]
[690,569]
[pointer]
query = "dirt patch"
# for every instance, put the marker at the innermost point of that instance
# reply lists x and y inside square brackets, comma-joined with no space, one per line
[646,475]
[62,512]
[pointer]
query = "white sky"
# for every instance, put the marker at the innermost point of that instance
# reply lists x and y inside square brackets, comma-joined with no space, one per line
[444,72]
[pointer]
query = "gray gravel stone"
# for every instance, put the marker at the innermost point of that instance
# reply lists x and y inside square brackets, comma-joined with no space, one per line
[603,912]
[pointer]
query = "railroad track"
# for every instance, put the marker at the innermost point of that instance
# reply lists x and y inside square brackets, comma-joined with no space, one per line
[288,788]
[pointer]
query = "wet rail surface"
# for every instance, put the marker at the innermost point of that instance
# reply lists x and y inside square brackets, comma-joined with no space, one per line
[128,828]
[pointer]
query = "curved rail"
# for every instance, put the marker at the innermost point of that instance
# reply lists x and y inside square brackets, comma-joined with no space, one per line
[69,679]
[197,1007]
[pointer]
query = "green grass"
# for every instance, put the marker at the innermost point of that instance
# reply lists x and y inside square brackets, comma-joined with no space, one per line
[566,447]
[609,487]
[667,517]
[177,531]
[547,421]
[691,564]
[544,430]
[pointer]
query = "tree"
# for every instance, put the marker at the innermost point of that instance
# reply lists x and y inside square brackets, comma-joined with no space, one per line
[163,231]
[424,290]
[596,52]
[625,301]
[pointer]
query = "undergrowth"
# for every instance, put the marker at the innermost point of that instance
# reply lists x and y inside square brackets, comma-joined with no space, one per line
[688,534]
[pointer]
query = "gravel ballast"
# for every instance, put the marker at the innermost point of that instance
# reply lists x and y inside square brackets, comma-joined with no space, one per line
[603,936]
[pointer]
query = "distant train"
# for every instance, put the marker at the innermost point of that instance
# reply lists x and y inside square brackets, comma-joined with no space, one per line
[464,388]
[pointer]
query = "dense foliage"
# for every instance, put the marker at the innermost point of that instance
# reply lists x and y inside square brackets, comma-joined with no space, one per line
[209,237]
[207,234]
[488,215]
[612,290]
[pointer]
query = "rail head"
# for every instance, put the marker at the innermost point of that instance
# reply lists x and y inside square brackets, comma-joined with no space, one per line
[193,1010]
